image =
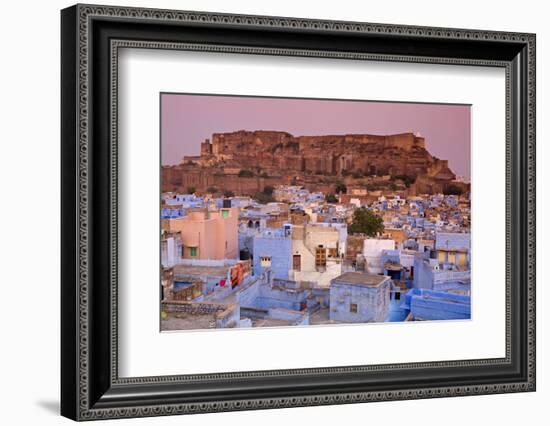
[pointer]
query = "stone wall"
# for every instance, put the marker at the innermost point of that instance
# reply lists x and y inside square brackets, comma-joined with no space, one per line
[228,318]
[223,315]
[182,177]
[354,246]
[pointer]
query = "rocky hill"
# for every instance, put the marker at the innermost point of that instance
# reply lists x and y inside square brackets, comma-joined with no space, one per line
[243,161]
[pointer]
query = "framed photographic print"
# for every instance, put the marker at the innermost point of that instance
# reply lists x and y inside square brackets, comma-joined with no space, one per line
[263,212]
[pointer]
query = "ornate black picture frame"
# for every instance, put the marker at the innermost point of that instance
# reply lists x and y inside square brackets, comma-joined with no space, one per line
[90,38]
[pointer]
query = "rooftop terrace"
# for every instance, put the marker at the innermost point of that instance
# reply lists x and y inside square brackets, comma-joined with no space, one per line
[200,270]
[359,278]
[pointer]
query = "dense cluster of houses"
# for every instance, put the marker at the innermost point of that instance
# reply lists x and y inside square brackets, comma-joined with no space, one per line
[233,262]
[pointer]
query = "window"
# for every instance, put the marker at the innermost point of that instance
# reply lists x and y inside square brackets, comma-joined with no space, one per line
[265,261]
[193,251]
[397,295]
[164,248]
[353,308]
[320,256]
[451,257]
[297,262]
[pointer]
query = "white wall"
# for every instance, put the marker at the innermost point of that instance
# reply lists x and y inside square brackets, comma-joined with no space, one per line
[29,96]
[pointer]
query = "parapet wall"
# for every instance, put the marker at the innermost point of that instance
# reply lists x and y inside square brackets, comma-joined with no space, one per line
[406,141]
[241,141]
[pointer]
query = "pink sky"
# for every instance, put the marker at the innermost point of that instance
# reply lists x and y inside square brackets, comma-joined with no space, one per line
[186,120]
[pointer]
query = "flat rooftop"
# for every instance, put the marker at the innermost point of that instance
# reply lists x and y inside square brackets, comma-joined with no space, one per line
[271,322]
[360,278]
[200,270]
[186,321]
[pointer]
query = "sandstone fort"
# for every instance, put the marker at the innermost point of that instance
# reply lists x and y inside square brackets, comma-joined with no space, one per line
[244,162]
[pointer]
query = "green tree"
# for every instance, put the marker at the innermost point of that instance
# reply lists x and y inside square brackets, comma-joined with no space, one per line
[408,180]
[266,196]
[340,187]
[331,198]
[228,194]
[191,189]
[268,190]
[263,198]
[212,189]
[366,222]
[453,190]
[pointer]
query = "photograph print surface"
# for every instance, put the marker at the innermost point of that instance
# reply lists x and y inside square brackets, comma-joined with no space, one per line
[278,212]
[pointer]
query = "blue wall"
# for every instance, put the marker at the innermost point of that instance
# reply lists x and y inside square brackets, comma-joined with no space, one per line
[272,297]
[247,294]
[397,312]
[261,295]
[423,273]
[437,305]
[279,248]
[373,303]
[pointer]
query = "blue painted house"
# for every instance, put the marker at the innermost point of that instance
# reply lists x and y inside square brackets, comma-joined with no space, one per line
[391,264]
[273,250]
[360,297]
[172,212]
[430,274]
